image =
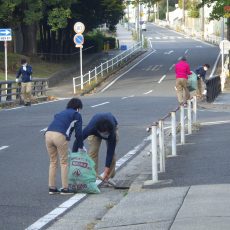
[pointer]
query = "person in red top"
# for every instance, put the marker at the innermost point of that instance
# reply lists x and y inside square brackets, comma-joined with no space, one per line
[182,70]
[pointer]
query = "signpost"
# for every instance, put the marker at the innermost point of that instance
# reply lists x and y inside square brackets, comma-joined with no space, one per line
[5,35]
[78,39]
[225,48]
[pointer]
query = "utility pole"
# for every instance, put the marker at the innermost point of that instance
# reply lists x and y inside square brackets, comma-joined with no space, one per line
[183,6]
[167,11]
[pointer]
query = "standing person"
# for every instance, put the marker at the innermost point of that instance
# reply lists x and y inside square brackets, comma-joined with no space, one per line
[201,72]
[56,138]
[25,72]
[102,126]
[182,70]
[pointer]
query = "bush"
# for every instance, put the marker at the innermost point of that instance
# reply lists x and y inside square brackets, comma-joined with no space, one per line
[97,40]
[13,61]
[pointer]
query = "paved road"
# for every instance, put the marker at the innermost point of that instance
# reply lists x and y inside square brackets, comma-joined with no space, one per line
[144,94]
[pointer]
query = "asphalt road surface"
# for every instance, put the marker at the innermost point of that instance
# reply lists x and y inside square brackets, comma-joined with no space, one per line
[142,95]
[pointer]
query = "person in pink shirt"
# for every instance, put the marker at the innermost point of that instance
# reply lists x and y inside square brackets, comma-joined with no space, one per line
[182,70]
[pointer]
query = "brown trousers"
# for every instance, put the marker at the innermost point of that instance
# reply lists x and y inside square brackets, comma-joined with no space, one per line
[182,90]
[94,146]
[26,89]
[57,145]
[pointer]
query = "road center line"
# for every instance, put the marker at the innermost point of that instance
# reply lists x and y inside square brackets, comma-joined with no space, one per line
[127,97]
[127,71]
[163,77]
[150,91]
[4,147]
[100,104]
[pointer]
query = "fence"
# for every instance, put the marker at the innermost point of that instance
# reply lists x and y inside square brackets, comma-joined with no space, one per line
[160,134]
[213,86]
[11,91]
[105,67]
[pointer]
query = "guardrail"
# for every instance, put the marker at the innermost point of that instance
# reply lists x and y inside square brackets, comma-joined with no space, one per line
[11,90]
[213,87]
[105,67]
[159,134]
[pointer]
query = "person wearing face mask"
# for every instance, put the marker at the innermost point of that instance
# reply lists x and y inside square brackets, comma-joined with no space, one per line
[25,72]
[57,136]
[201,72]
[102,126]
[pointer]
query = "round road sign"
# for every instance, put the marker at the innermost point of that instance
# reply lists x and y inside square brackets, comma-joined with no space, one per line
[79,27]
[78,40]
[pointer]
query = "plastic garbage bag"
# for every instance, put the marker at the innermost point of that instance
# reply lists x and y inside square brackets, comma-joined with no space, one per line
[81,173]
[192,81]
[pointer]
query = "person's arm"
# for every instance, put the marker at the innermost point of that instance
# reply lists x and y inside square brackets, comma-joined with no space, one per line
[18,74]
[188,70]
[78,142]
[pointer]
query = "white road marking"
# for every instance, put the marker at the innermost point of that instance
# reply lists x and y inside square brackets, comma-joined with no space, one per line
[150,91]
[51,216]
[163,77]
[40,103]
[215,122]
[43,130]
[127,71]
[107,102]
[127,97]
[172,67]
[169,52]
[4,147]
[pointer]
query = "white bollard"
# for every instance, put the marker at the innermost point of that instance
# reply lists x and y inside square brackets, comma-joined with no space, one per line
[189,114]
[182,125]
[154,154]
[194,108]
[161,146]
[173,116]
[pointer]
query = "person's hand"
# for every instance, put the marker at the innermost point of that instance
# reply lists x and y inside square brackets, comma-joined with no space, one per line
[106,174]
[17,80]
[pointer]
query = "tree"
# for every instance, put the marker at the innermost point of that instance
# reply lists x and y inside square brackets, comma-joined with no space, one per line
[218,11]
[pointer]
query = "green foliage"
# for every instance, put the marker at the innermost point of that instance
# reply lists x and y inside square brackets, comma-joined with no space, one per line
[13,61]
[58,18]
[97,39]
[193,11]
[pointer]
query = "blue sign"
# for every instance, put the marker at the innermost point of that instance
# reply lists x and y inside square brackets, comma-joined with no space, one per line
[5,34]
[78,40]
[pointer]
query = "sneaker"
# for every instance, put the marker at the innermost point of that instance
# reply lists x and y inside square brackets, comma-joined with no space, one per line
[53,191]
[66,191]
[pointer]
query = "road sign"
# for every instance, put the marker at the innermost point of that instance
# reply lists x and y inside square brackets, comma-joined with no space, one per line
[79,27]
[224,46]
[5,34]
[78,40]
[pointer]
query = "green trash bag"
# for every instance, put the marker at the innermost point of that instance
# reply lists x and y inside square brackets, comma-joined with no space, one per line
[192,82]
[81,173]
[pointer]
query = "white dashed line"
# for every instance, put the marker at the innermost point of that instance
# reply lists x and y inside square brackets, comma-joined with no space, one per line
[127,71]
[163,77]
[100,104]
[4,147]
[127,97]
[150,91]
[172,67]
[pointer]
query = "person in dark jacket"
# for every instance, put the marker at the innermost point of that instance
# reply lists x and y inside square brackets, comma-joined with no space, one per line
[201,73]
[25,72]
[102,126]
[57,136]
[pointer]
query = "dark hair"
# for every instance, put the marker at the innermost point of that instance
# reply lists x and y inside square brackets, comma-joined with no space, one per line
[74,103]
[23,61]
[207,65]
[183,58]
[104,125]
